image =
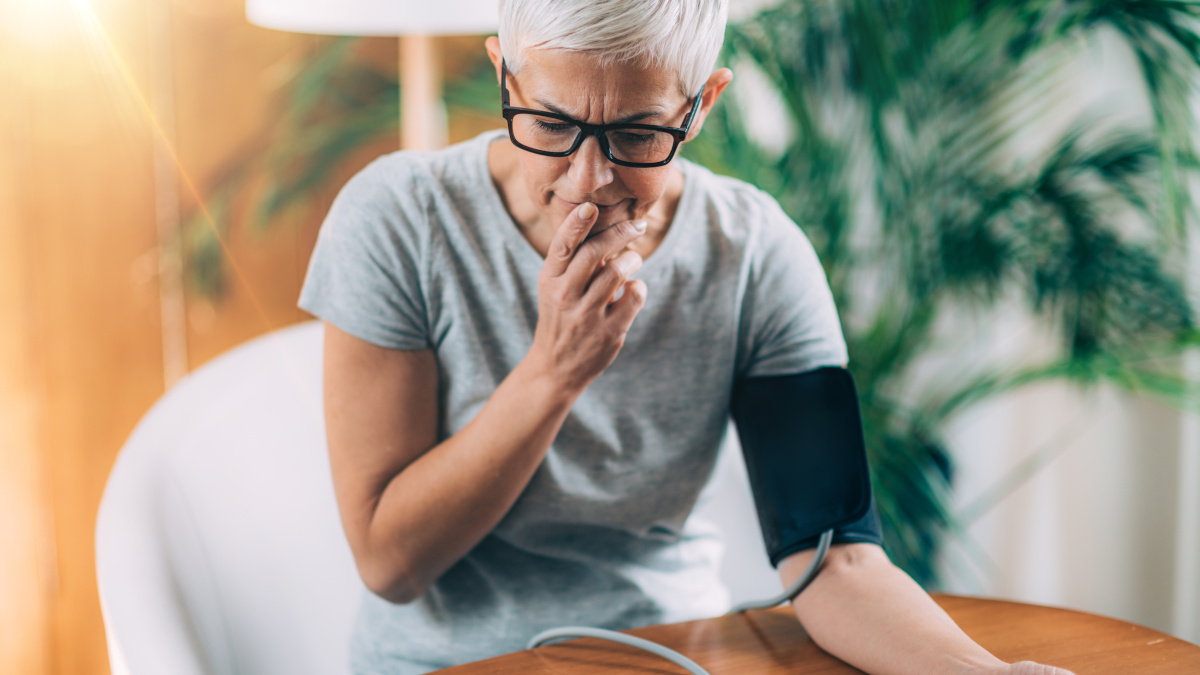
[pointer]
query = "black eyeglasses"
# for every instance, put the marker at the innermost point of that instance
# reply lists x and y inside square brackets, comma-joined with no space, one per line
[556,135]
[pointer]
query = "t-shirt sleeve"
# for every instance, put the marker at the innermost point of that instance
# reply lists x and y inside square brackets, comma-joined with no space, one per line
[367,270]
[789,323]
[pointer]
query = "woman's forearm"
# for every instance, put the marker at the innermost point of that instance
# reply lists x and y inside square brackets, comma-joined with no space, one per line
[442,504]
[867,612]
[447,501]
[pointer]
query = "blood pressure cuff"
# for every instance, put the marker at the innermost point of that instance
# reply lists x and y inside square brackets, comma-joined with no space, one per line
[803,443]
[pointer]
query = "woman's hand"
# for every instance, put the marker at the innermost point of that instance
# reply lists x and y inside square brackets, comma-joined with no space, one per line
[581,327]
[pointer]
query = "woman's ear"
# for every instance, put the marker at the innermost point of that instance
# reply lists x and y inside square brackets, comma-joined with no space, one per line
[492,44]
[712,91]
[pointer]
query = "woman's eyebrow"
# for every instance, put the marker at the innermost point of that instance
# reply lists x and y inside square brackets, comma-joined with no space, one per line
[628,119]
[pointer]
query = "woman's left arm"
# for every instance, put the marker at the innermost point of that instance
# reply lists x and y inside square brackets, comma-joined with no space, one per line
[867,612]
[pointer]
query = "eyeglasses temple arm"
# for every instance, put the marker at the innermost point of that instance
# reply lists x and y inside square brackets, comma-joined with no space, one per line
[503,84]
[687,121]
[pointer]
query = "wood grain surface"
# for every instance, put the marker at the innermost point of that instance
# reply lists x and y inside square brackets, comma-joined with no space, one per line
[772,641]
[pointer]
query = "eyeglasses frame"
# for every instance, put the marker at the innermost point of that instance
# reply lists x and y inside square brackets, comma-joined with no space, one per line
[597,130]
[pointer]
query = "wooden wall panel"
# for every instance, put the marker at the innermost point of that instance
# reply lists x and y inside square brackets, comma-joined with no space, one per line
[89,215]
[81,337]
[27,574]
[229,76]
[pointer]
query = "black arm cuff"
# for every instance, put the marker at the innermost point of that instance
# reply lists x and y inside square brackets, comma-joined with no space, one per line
[865,530]
[802,439]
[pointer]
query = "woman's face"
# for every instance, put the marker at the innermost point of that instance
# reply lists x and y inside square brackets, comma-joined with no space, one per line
[573,83]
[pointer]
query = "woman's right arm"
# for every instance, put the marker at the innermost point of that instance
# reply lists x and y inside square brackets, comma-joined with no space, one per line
[412,507]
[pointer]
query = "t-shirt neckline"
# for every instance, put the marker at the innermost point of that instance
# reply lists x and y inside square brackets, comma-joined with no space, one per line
[512,231]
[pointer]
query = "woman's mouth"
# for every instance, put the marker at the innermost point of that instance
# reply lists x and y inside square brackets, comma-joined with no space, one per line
[603,209]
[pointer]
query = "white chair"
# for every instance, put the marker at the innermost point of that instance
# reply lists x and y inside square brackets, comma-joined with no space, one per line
[218,545]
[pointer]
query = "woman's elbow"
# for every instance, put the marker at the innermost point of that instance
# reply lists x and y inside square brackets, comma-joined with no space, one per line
[390,582]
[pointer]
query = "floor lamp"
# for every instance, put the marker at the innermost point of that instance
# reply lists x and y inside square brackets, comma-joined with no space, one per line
[416,22]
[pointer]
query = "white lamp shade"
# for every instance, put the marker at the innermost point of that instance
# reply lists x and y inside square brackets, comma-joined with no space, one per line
[376,17]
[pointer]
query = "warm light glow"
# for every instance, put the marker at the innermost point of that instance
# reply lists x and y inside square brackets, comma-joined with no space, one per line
[40,23]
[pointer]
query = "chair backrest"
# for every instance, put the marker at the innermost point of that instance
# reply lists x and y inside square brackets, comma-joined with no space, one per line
[218,544]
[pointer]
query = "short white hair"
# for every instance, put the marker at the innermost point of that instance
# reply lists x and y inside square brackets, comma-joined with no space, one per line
[682,35]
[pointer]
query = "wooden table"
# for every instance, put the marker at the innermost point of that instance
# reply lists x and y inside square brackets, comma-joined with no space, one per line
[772,641]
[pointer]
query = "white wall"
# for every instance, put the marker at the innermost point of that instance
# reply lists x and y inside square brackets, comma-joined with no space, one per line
[1098,527]
[1111,523]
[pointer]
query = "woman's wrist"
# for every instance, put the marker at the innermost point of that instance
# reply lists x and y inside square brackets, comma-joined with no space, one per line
[547,380]
[546,383]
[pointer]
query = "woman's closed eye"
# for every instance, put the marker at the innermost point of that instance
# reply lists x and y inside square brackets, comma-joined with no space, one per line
[634,137]
[553,127]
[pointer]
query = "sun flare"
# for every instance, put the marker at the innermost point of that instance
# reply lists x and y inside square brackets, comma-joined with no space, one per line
[41,24]
[46,23]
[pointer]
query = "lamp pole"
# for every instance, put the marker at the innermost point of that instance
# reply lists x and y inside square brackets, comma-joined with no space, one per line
[422,114]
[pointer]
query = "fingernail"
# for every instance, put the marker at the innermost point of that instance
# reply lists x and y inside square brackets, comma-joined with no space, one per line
[639,225]
[586,210]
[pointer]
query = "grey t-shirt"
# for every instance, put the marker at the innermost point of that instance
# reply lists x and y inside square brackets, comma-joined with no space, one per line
[418,252]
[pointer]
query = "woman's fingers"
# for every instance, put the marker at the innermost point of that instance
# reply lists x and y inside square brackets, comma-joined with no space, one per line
[601,247]
[568,238]
[625,308]
[612,276]
[581,327]
[1031,668]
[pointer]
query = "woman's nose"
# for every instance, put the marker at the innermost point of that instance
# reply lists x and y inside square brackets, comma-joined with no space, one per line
[590,170]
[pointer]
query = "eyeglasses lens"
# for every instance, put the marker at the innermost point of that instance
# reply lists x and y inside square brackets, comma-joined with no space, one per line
[544,133]
[640,145]
[550,134]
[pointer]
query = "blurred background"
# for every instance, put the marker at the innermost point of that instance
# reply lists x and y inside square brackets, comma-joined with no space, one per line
[1002,195]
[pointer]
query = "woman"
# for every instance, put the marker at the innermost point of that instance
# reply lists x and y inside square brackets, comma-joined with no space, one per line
[518,428]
